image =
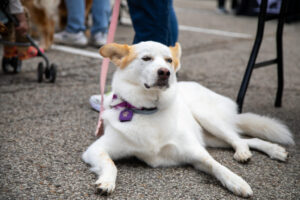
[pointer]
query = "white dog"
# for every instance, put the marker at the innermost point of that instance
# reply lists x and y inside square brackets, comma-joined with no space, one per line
[163,122]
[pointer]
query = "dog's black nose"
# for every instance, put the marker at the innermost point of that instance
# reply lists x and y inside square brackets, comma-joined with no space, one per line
[163,73]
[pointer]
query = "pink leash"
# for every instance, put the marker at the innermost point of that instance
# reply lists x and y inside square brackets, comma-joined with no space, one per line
[105,63]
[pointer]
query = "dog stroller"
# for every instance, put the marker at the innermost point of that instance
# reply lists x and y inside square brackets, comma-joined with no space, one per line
[14,64]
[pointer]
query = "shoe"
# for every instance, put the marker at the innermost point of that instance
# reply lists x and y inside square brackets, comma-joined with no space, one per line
[95,102]
[76,39]
[222,10]
[98,39]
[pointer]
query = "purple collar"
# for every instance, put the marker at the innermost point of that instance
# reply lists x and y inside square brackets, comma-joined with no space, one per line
[127,113]
[123,104]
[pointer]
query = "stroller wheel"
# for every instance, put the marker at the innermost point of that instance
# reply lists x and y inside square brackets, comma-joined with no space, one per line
[47,72]
[5,64]
[52,72]
[40,72]
[17,64]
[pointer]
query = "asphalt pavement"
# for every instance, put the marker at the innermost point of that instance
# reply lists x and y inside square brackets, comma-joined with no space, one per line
[44,128]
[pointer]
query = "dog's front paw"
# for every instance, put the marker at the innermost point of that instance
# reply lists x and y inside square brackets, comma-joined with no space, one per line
[104,187]
[277,152]
[233,182]
[242,155]
[237,185]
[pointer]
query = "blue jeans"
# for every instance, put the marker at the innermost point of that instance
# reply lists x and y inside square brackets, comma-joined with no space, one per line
[154,20]
[76,12]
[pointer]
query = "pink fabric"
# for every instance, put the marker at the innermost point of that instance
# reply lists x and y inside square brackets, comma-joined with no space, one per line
[105,63]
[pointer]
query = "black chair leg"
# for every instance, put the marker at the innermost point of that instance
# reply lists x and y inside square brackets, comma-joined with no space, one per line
[280,53]
[253,55]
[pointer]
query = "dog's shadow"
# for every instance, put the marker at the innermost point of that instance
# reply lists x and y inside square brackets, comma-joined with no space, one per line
[131,162]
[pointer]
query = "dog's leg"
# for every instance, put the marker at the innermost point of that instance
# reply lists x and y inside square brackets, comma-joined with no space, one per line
[99,154]
[274,151]
[229,135]
[204,162]
[50,35]
[102,165]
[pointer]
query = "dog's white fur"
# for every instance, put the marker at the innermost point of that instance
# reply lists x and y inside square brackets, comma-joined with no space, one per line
[190,117]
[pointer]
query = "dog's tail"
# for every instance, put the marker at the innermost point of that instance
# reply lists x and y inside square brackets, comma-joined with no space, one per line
[265,128]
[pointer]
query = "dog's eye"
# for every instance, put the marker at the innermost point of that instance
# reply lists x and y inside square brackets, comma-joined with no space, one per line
[147,58]
[169,60]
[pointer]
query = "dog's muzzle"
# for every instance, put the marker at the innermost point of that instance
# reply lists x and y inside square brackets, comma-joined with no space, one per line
[163,75]
[162,81]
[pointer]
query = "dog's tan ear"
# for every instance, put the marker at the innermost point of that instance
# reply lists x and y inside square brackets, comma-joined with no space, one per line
[119,54]
[176,54]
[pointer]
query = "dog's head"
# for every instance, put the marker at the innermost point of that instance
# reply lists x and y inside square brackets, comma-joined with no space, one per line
[150,65]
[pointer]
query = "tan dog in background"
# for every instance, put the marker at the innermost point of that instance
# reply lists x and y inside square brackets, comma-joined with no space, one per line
[43,14]
[46,15]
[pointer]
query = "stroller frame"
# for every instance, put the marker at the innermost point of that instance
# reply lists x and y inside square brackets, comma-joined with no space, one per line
[44,69]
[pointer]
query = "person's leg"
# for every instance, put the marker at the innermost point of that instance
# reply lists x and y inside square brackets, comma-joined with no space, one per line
[173,25]
[152,21]
[74,31]
[221,3]
[234,4]
[101,14]
[75,21]
[221,7]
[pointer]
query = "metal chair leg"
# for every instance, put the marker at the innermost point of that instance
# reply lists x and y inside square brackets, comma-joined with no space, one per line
[253,55]
[280,53]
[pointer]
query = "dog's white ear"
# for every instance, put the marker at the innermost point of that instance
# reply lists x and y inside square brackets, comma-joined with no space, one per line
[120,54]
[176,54]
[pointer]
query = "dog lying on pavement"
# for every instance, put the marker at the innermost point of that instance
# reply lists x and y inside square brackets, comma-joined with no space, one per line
[163,122]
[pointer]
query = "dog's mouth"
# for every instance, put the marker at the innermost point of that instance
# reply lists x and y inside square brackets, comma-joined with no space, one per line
[161,84]
[147,86]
